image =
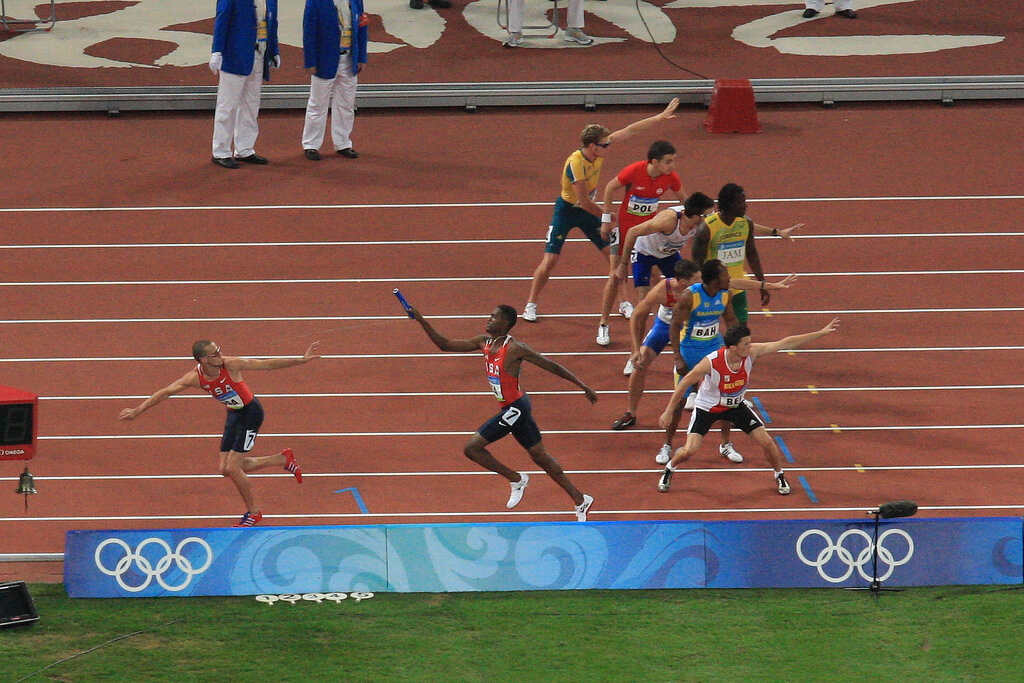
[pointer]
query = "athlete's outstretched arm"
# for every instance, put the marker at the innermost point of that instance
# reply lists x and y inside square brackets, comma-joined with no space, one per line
[555,368]
[273,363]
[793,341]
[747,283]
[187,380]
[632,129]
[443,342]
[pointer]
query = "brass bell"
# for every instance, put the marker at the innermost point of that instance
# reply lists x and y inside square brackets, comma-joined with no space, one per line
[26,484]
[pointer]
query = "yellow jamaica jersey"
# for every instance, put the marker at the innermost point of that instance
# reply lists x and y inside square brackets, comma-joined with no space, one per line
[728,243]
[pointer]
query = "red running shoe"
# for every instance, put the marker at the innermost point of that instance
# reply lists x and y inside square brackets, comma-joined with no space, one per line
[292,466]
[250,519]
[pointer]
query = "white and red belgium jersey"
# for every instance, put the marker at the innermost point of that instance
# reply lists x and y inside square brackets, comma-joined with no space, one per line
[504,385]
[234,395]
[723,388]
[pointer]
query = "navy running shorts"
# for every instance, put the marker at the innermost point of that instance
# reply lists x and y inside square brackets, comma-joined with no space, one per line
[241,427]
[516,419]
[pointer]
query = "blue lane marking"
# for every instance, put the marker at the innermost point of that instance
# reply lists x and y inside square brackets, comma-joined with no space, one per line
[359,499]
[760,409]
[785,451]
[808,489]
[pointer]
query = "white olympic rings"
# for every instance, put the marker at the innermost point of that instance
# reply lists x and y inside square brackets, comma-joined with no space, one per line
[134,558]
[864,557]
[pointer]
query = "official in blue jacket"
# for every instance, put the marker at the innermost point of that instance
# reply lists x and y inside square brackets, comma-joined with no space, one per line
[244,50]
[334,38]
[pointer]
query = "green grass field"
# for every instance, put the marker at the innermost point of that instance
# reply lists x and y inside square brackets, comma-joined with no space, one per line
[939,634]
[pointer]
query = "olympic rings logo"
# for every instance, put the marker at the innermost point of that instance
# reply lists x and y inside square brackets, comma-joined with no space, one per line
[863,558]
[135,559]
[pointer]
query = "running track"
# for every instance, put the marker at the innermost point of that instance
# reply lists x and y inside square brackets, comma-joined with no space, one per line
[913,244]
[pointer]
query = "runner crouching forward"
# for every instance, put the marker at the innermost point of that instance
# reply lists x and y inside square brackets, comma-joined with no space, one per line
[503,358]
[724,377]
[222,377]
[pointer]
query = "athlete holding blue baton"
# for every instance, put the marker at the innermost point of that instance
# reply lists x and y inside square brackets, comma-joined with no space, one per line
[503,358]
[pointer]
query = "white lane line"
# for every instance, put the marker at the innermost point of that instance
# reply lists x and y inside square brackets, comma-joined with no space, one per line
[505,513]
[377,356]
[462,242]
[476,316]
[463,205]
[391,280]
[603,432]
[567,392]
[475,473]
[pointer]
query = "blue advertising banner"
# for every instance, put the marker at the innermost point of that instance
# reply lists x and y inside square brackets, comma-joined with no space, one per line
[544,556]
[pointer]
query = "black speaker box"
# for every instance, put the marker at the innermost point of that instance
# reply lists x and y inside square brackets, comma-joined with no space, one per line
[16,606]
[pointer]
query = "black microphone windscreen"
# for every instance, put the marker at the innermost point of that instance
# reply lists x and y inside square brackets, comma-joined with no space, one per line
[897,508]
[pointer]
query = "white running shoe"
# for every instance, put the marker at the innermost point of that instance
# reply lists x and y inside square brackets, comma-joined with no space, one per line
[575,35]
[626,309]
[727,450]
[628,369]
[518,488]
[665,481]
[604,336]
[530,312]
[780,481]
[691,401]
[582,508]
[664,455]
[513,40]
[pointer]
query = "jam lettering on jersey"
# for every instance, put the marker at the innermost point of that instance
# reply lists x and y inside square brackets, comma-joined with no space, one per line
[504,385]
[234,395]
[732,253]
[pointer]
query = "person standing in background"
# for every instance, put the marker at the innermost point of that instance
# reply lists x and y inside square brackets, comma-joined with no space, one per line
[244,50]
[334,40]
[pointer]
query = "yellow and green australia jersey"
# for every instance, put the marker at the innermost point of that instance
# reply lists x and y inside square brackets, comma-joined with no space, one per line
[578,167]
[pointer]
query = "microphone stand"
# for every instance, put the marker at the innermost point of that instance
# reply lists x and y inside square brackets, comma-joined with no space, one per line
[875,586]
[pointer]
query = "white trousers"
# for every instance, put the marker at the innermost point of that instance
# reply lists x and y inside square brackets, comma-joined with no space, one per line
[573,19]
[819,5]
[338,93]
[238,105]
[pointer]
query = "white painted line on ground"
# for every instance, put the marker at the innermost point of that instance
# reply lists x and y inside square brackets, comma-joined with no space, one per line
[604,432]
[477,316]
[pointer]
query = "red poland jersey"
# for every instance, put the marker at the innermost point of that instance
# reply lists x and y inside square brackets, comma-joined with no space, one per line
[234,395]
[505,386]
[642,193]
[723,388]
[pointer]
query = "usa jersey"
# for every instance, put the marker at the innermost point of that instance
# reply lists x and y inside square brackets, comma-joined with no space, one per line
[723,388]
[234,395]
[504,385]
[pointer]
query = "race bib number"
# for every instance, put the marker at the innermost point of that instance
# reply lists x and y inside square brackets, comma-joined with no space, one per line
[706,332]
[494,381]
[229,398]
[250,440]
[261,31]
[732,253]
[642,206]
[731,401]
[510,416]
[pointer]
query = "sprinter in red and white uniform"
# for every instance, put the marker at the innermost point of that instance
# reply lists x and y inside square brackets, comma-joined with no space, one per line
[221,377]
[724,377]
[503,359]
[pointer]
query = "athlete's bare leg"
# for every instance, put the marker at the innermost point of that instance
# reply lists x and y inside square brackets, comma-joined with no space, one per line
[475,449]
[541,274]
[693,442]
[253,463]
[638,379]
[771,449]
[554,470]
[231,467]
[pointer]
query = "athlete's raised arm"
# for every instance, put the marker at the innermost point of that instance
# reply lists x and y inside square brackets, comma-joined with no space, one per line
[189,379]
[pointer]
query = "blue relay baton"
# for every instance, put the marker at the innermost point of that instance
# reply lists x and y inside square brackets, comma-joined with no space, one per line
[401,300]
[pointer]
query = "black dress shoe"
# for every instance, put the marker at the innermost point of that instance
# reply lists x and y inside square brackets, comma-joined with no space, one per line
[416,4]
[253,159]
[226,162]
[349,153]
[847,13]
[809,13]
[440,4]
[312,154]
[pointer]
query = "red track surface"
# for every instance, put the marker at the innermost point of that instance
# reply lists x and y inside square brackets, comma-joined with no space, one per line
[440,158]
